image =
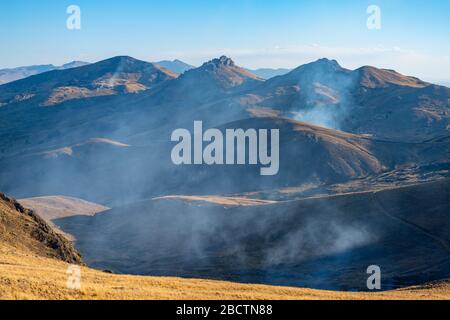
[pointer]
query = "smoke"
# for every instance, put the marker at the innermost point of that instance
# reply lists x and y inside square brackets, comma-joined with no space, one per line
[249,244]
[318,239]
[325,97]
[168,237]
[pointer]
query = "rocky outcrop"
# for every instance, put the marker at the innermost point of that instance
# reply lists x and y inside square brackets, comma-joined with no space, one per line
[26,227]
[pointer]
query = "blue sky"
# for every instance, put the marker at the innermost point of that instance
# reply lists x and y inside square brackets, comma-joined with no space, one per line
[413,39]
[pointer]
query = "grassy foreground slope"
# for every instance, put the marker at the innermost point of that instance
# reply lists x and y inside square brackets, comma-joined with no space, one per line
[33,267]
[24,275]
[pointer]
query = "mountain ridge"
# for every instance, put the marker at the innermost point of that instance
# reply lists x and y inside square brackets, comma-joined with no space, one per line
[121,74]
[12,74]
[364,167]
[176,65]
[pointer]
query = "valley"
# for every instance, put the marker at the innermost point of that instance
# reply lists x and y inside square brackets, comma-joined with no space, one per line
[310,239]
[363,178]
[30,269]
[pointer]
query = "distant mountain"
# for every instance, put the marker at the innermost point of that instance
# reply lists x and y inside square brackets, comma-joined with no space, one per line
[367,100]
[267,73]
[176,65]
[214,79]
[101,132]
[9,75]
[442,82]
[395,120]
[113,76]
[222,72]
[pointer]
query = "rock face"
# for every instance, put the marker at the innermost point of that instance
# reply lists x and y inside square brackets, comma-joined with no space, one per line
[23,229]
[215,79]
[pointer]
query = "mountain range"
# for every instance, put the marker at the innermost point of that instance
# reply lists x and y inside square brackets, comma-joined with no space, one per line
[267,73]
[13,74]
[348,138]
[176,66]
[180,67]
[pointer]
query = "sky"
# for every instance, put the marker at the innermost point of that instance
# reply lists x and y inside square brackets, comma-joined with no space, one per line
[414,37]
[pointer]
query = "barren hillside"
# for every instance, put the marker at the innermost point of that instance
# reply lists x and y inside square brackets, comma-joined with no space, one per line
[24,231]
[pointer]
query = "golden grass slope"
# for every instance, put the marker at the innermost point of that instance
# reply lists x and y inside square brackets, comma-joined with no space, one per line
[30,269]
[220,200]
[23,275]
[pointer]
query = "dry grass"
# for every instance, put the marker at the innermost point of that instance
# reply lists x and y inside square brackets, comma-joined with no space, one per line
[55,207]
[28,276]
[30,270]
[220,200]
[21,230]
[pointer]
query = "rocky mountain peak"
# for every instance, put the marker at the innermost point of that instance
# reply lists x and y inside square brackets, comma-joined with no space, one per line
[223,61]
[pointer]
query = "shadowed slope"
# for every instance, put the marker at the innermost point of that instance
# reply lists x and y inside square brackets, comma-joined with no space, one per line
[320,242]
[112,172]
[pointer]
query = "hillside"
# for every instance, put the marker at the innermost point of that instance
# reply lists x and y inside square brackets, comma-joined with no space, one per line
[24,231]
[26,276]
[363,159]
[367,100]
[34,262]
[55,207]
[95,101]
[100,170]
[118,75]
[214,80]
[322,242]
[50,208]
